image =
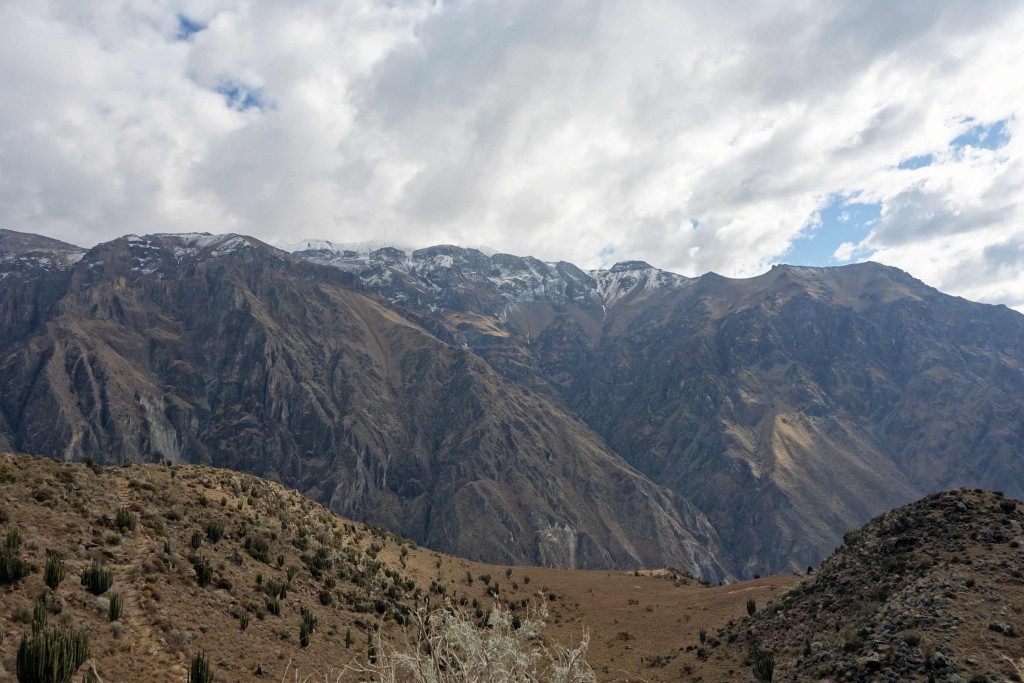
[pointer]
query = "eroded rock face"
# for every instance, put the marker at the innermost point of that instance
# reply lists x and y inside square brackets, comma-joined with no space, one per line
[788,407]
[222,350]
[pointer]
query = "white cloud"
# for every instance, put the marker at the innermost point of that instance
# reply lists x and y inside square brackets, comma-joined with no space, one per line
[567,130]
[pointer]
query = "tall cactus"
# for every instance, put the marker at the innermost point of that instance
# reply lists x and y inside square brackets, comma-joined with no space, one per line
[200,671]
[54,571]
[97,579]
[51,656]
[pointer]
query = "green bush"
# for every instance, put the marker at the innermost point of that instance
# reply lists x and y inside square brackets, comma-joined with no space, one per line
[51,656]
[55,570]
[751,606]
[197,540]
[97,579]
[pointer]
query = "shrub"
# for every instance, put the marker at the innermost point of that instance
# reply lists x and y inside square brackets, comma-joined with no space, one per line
[116,604]
[199,671]
[54,571]
[97,579]
[125,520]
[444,646]
[51,656]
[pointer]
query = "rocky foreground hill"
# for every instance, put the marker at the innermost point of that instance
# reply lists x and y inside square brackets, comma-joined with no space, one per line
[511,410]
[930,591]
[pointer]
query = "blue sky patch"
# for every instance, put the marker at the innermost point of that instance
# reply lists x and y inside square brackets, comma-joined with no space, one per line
[241,97]
[842,220]
[188,28]
[983,136]
[919,161]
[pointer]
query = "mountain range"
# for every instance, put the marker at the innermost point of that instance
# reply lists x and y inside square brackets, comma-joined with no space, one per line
[515,411]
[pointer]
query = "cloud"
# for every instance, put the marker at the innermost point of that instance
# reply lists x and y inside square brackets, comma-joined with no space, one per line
[696,136]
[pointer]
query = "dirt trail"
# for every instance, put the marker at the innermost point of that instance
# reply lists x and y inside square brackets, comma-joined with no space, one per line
[146,653]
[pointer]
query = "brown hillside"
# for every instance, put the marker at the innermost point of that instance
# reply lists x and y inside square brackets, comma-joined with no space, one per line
[930,591]
[643,625]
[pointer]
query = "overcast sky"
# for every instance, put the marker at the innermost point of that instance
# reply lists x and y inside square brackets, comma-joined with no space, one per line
[700,135]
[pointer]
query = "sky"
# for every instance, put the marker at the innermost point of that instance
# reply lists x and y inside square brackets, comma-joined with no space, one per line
[698,136]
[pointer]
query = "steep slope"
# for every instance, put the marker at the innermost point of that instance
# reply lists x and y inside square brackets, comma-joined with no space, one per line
[222,350]
[930,591]
[789,407]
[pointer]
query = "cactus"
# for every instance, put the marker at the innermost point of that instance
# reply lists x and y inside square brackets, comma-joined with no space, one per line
[751,606]
[274,606]
[204,571]
[116,605]
[97,579]
[200,671]
[51,656]
[125,520]
[763,666]
[243,621]
[55,570]
[304,633]
[39,617]
[12,567]
[197,540]
[214,531]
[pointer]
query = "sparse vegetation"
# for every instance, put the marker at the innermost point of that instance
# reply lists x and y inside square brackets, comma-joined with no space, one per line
[444,647]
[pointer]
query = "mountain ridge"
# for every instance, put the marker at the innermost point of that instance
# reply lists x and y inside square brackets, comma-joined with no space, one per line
[773,413]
